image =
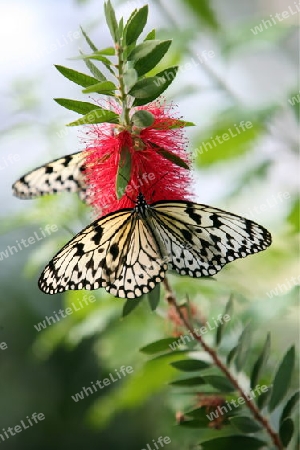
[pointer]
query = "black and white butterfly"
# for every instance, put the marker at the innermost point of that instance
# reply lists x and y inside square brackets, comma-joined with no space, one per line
[62,174]
[129,251]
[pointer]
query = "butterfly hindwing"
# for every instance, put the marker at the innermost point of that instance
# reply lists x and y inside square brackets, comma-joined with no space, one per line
[62,174]
[201,240]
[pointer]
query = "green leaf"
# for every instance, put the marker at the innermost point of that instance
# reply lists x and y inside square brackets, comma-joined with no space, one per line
[245,424]
[130,305]
[194,423]
[110,51]
[88,40]
[98,115]
[233,442]
[219,382]
[190,365]
[286,431]
[204,11]
[98,57]
[130,78]
[171,157]
[145,88]
[261,362]
[188,382]
[135,25]
[226,141]
[111,21]
[142,119]
[104,87]
[94,70]
[243,348]
[264,398]
[289,407]
[154,297]
[77,77]
[222,325]
[148,54]
[150,36]
[282,378]
[231,355]
[198,413]
[168,76]
[75,105]
[124,171]
[171,124]
[162,345]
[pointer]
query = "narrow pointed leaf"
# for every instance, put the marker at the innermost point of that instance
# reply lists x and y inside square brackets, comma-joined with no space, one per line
[245,424]
[234,442]
[286,431]
[171,124]
[261,362]
[145,88]
[198,413]
[124,171]
[282,379]
[190,365]
[89,41]
[142,119]
[171,157]
[148,54]
[94,69]
[135,25]
[98,115]
[111,20]
[222,325]
[109,51]
[188,382]
[103,87]
[75,105]
[243,348]
[77,77]
[159,346]
[150,36]
[154,297]
[263,399]
[231,355]
[166,77]
[289,407]
[219,382]
[130,305]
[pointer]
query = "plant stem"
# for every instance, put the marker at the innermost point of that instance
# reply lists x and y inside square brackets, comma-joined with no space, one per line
[170,297]
[123,96]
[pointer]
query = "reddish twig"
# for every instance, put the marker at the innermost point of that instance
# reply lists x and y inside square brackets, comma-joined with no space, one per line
[214,356]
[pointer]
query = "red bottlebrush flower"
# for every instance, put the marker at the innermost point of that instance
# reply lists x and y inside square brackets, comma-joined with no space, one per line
[155,176]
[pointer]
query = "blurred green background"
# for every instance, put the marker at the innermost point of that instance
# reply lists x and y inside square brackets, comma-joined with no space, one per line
[233,67]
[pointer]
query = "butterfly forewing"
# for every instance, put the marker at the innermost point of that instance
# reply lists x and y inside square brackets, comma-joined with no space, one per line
[201,240]
[63,174]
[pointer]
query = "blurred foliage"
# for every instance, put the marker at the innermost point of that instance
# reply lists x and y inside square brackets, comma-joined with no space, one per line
[41,371]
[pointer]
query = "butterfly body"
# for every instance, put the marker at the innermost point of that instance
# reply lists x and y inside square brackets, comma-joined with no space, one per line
[129,251]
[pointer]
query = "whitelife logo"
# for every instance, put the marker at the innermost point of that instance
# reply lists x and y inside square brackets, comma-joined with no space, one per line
[24,425]
[102,383]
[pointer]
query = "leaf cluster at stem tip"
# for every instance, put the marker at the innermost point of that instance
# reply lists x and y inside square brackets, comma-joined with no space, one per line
[121,72]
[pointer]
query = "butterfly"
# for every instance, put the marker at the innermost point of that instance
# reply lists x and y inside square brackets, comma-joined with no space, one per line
[62,174]
[129,251]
